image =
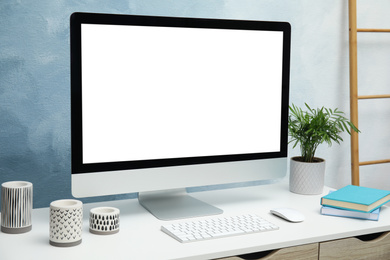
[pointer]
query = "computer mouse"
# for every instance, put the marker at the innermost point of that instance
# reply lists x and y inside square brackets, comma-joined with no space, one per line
[288,214]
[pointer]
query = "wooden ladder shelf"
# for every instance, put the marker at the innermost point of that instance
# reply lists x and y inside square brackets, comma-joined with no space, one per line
[354,97]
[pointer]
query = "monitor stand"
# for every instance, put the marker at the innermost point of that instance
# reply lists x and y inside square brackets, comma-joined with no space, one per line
[175,204]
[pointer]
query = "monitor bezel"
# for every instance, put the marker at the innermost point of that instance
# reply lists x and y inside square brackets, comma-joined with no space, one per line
[77,19]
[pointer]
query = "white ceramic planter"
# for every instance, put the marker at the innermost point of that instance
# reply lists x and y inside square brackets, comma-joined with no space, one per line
[66,222]
[16,206]
[104,220]
[307,178]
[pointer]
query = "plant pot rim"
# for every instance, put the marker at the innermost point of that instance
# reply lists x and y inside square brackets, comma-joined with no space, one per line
[298,159]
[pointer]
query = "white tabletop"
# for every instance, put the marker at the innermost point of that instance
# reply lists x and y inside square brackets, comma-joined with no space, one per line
[140,236]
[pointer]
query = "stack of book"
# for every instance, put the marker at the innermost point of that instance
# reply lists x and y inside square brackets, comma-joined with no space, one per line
[355,202]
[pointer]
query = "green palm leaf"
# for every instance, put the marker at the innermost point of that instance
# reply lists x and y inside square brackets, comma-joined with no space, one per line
[313,127]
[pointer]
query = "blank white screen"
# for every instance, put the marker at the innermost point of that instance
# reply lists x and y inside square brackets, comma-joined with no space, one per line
[154,92]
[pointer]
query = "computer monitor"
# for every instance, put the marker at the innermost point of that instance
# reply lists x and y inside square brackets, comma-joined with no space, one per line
[160,104]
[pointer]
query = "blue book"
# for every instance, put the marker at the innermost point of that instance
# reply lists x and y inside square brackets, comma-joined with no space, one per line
[350,213]
[357,198]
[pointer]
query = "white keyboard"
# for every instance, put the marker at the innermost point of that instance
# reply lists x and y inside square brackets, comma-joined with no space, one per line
[216,227]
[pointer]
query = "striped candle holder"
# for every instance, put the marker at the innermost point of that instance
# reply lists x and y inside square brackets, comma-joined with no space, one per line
[16,206]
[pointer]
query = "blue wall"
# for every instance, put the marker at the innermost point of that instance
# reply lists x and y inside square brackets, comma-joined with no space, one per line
[35,85]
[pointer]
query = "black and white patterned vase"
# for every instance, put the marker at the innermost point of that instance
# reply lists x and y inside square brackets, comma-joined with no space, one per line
[104,220]
[66,222]
[16,206]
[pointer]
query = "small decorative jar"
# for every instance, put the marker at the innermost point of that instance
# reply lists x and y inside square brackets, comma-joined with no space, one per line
[16,206]
[66,222]
[104,220]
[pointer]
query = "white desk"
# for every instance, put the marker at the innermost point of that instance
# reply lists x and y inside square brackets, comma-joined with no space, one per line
[140,236]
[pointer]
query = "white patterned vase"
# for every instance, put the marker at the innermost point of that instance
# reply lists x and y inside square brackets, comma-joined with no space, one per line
[307,178]
[66,222]
[16,206]
[104,220]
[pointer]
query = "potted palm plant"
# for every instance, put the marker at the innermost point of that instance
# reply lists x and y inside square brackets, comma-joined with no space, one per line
[309,129]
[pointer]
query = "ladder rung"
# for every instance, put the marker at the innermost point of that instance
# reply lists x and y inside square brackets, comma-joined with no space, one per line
[374,96]
[373,30]
[374,162]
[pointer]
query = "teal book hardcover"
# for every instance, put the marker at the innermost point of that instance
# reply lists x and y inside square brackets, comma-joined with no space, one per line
[357,198]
